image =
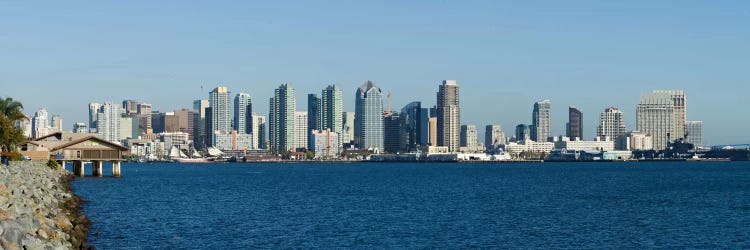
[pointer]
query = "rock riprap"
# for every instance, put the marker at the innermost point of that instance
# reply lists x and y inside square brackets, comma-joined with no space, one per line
[38,209]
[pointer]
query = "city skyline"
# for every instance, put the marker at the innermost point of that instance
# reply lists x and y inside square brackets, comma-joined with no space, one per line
[500,52]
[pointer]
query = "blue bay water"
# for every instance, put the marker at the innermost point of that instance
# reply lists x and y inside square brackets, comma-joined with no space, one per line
[408,205]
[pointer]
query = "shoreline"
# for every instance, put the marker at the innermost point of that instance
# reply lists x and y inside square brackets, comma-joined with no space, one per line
[40,210]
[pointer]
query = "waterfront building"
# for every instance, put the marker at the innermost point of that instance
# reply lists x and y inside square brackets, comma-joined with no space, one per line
[347,133]
[301,131]
[694,133]
[611,124]
[259,131]
[40,124]
[393,133]
[661,114]
[523,132]
[108,122]
[281,119]
[596,145]
[234,141]
[635,141]
[432,131]
[368,121]
[199,123]
[181,140]
[515,148]
[493,136]
[93,114]
[326,144]
[221,113]
[541,116]
[80,128]
[575,124]
[243,113]
[449,116]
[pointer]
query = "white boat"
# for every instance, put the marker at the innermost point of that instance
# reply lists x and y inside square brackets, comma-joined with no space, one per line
[195,160]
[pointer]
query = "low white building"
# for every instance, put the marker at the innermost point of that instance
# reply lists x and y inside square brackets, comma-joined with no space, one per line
[326,144]
[529,146]
[234,141]
[596,145]
[634,141]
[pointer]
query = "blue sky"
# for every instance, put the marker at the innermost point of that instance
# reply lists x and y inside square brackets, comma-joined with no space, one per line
[504,54]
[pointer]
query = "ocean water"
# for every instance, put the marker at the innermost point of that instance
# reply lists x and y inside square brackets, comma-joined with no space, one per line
[408,205]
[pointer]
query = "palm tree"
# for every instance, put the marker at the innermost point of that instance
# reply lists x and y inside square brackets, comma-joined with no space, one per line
[12,110]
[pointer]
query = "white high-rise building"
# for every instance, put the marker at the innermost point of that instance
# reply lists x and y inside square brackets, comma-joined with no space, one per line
[541,119]
[325,144]
[469,136]
[694,133]
[221,112]
[449,116]
[40,124]
[57,123]
[611,124]
[493,136]
[332,109]
[368,121]
[94,109]
[108,122]
[300,130]
[661,114]
[281,119]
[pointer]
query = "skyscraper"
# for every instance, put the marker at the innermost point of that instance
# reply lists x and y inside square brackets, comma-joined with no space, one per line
[469,136]
[243,114]
[259,131]
[332,108]
[57,123]
[80,128]
[655,115]
[449,116]
[523,132]
[493,136]
[93,111]
[432,131]
[40,123]
[313,116]
[611,124]
[221,115]
[282,124]
[575,123]
[368,128]
[392,133]
[108,122]
[301,132]
[540,126]
[415,122]
[694,133]
[348,128]
[130,107]
[680,112]
[145,125]
[199,124]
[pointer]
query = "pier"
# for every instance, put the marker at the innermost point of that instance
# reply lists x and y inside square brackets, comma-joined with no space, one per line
[77,149]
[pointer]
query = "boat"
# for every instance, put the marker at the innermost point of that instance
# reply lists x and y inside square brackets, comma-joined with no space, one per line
[193,160]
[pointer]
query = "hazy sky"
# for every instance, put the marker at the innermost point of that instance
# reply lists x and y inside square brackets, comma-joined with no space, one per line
[505,55]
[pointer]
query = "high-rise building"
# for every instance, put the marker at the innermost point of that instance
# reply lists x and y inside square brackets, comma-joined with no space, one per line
[680,112]
[432,131]
[694,133]
[415,121]
[199,123]
[126,128]
[243,113]
[469,136]
[221,113]
[449,116]
[347,133]
[540,126]
[40,124]
[80,128]
[392,133]
[145,125]
[108,122]
[575,124]
[523,132]
[368,128]
[300,130]
[313,115]
[493,136]
[25,126]
[186,122]
[281,120]
[130,107]
[57,123]
[635,141]
[325,144]
[332,109]
[655,115]
[611,124]
[93,111]
[259,131]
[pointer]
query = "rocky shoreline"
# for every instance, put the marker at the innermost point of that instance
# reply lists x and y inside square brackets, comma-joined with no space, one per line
[38,209]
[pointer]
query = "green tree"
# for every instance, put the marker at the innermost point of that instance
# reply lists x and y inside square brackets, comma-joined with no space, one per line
[10,112]
[310,154]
